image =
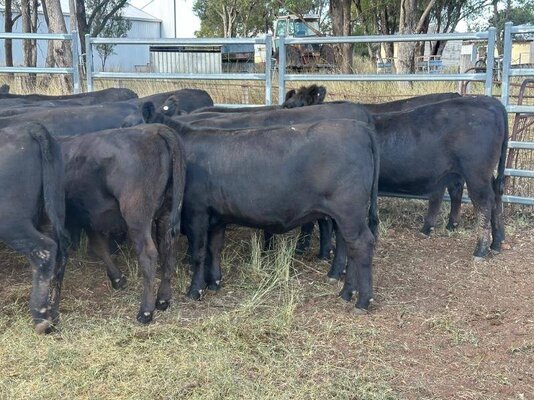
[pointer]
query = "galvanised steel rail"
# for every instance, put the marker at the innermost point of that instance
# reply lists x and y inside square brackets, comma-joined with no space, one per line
[507,73]
[486,77]
[266,77]
[74,70]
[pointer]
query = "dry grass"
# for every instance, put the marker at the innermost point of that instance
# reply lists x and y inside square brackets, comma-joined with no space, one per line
[277,331]
[442,327]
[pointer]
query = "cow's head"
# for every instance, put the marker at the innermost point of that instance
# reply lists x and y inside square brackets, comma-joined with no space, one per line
[150,114]
[171,107]
[305,96]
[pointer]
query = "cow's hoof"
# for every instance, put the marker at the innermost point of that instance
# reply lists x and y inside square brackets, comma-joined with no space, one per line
[495,248]
[162,305]
[359,311]
[214,286]
[452,226]
[144,317]
[346,294]
[119,283]
[195,294]
[43,327]
[332,281]
[426,232]
[478,259]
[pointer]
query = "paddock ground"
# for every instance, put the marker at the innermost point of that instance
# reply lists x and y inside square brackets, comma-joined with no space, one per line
[441,327]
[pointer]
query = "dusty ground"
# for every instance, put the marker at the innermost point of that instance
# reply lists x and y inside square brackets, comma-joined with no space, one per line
[442,327]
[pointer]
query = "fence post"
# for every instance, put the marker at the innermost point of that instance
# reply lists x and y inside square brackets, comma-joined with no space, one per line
[281,69]
[89,62]
[490,62]
[506,64]
[75,62]
[268,69]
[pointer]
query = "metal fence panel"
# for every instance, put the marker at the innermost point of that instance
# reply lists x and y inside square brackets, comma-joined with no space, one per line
[74,70]
[486,77]
[184,66]
[507,73]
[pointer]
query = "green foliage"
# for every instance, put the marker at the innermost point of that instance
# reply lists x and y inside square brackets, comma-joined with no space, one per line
[106,20]
[245,18]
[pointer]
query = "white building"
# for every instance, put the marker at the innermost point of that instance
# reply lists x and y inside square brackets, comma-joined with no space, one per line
[177,18]
[150,19]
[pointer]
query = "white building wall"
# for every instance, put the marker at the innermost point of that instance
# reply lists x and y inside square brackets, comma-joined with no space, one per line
[169,12]
[127,58]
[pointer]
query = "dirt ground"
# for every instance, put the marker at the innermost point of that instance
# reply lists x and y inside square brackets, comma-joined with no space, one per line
[441,326]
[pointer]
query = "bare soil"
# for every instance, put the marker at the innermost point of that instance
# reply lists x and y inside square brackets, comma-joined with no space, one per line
[441,326]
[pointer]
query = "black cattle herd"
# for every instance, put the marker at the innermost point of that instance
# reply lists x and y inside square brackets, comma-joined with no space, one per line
[116,167]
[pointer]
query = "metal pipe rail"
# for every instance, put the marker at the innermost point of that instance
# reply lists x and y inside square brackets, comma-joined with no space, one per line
[74,70]
[486,77]
[266,77]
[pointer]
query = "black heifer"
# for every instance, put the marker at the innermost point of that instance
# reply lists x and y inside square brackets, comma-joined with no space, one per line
[434,145]
[170,103]
[123,180]
[305,96]
[66,121]
[100,96]
[277,179]
[32,211]
[409,104]
[186,100]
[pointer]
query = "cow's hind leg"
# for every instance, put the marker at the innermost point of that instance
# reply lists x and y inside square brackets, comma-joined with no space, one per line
[99,244]
[482,196]
[42,253]
[434,205]
[212,273]
[148,256]
[497,220]
[268,241]
[326,229]
[197,234]
[165,243]
[340,257]
[303,243]
[456,191]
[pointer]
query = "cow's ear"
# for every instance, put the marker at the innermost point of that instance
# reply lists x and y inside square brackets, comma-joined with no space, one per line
[170,107]
[290,94]
[148,111]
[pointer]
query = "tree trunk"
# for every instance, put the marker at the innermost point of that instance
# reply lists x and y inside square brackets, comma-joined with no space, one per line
[8,27]
[34,12]
[409,24]
[406,50]
[61,49]
[340,16]
[27,82]
[83,27]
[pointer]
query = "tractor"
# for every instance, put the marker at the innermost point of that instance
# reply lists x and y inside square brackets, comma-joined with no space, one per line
[302,56]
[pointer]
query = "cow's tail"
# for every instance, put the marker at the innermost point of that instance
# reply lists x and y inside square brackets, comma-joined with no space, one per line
[178,168]
[373,206]
[53,189]
[498,183]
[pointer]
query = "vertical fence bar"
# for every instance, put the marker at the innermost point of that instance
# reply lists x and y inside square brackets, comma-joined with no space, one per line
[268,69]
[75,62]
[281,69]
[89,62]
[506,64]
[490,62]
